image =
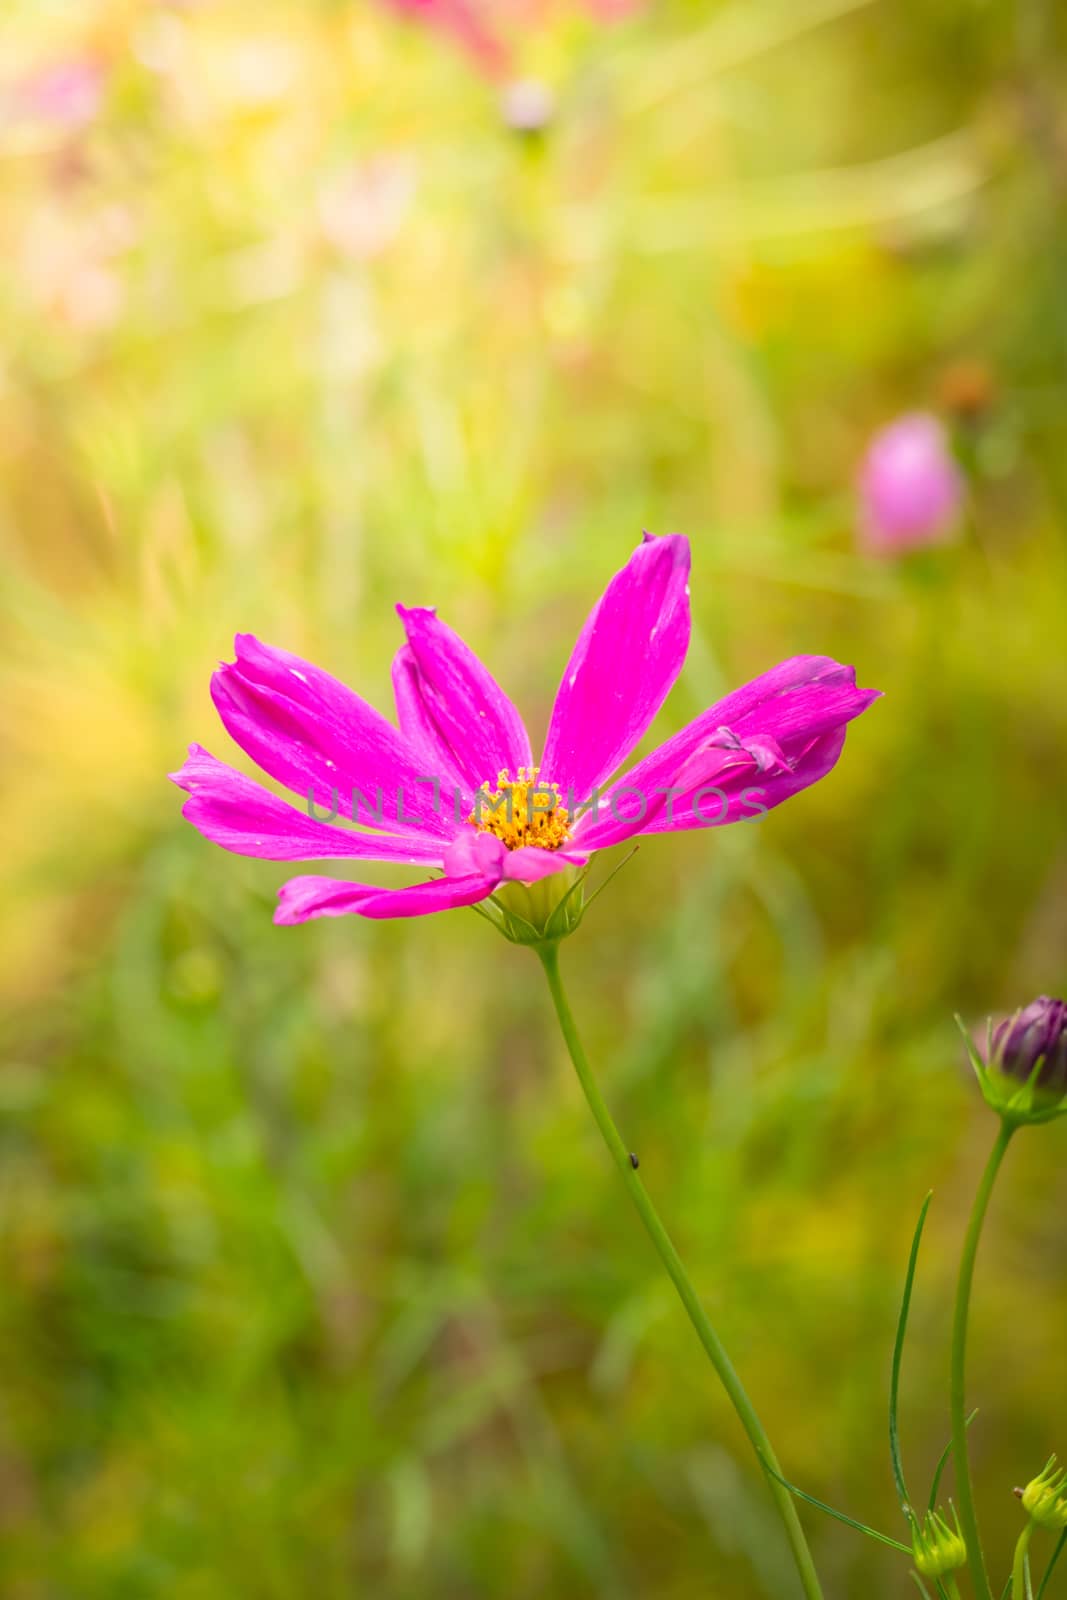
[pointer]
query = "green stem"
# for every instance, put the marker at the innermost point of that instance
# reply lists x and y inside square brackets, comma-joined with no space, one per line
[1019,1586]
[1052,1560]
[964,1487]
[549,954]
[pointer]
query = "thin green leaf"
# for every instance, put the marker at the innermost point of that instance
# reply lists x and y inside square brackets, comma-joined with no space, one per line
[942,1460]
[898,1352]
[1052,1560]
[923,1590]
[599,890]
[841,1516]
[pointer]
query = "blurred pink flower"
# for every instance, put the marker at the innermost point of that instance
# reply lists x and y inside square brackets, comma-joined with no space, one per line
[458,742]
[469,22]
[911,490]
[463,19]
[66,93]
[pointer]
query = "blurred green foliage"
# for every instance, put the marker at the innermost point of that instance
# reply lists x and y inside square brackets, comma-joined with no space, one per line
[315,1276]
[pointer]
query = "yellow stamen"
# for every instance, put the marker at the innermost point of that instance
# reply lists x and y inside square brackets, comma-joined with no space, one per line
[522,811]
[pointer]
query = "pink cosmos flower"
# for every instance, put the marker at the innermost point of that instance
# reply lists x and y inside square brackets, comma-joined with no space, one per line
[911,489]
[453,787]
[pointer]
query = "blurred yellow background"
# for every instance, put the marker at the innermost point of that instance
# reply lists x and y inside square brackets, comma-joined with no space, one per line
[315,1276]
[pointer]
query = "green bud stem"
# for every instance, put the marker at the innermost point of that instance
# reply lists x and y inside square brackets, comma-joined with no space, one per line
[958,1402]
[783,1500]
[1020,1589]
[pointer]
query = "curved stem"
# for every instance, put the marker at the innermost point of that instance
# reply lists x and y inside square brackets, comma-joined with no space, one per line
[964,1487]
[1020,1589]
[549,954]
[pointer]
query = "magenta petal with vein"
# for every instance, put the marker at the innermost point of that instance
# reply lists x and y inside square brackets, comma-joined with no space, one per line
[770,739]
[239,814]
[417,728]
[627,657]
[301,899]
[473,866]
[453,705]
[314,735]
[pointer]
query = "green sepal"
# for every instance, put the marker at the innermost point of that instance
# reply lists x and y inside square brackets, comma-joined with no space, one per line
[1014,1102]
[540,913]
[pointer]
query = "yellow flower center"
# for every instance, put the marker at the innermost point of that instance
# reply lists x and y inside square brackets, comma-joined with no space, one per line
[522,811]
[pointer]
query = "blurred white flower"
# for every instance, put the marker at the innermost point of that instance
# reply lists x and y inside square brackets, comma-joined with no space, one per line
[68,264]
[362,207]
[261,71]
[528,105]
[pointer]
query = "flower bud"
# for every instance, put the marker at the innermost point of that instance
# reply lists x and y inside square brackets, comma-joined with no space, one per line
[936,1547]
[1032,1045]
[1045,1497]
[1023,1070]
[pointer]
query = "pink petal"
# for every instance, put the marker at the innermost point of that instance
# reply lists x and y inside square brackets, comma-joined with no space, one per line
[475,854]
[473,866]
[530,864]
[757,747]
[449,703]
[311,733]
[301,899]
[240,815]
[627,657]
[742,797]
[420,732]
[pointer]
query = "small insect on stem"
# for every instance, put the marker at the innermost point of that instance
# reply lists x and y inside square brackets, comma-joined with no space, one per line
[634,1161]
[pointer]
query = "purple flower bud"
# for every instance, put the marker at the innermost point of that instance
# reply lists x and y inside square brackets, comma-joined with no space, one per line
[1036,1033]
[911,489]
